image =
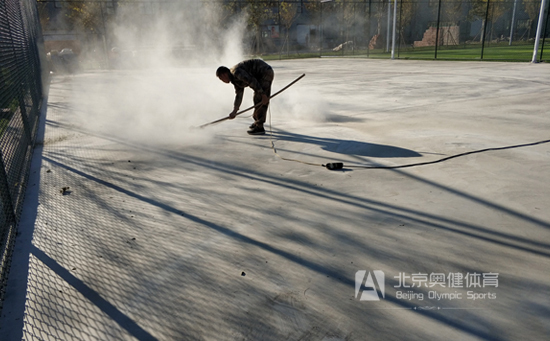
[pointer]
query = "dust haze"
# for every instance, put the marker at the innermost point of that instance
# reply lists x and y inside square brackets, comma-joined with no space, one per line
[162,82]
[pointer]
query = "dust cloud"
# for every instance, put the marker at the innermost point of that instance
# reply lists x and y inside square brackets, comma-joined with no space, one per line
[301,106]
[161,84]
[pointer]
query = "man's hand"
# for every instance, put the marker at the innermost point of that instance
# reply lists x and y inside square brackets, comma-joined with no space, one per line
[265,99]
[233,114]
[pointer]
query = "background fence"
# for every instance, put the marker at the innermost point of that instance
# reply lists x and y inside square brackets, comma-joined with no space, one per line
[98,31]
[20,101]
[436,29]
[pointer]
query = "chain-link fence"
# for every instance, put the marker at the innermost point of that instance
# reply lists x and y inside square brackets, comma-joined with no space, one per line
[102,33]
[20,101]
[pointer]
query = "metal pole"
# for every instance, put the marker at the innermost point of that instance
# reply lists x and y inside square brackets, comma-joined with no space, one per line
[104,38]
[437,28]
[344,31]
[388,29]
[544,35]
[401,26]
[485,29]
[539,31]
[353,27]
[513,22]
[394,27]
[368,30]
[280,26]
[321,31]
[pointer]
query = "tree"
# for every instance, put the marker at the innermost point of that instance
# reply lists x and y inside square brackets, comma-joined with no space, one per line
[258,12]
[313,8]
[451,12]
[288,12]
[44,15]
[346,16]
[407,10]
[480,11]
[85,15]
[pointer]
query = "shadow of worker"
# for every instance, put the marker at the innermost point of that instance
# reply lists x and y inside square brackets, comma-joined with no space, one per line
[348,147]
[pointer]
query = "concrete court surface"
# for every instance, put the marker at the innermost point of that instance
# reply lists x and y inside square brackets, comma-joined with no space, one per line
[207,234]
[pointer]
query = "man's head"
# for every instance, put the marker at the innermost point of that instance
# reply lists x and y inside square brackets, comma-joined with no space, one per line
[223,74]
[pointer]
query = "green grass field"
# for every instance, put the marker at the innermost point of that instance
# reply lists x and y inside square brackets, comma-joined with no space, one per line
[522,53]
[492,52]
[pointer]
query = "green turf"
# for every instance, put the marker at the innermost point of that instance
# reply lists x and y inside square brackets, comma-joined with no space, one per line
[496,52]
[473,52]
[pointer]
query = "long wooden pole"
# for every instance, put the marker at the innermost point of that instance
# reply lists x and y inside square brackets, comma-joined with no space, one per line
[254,106]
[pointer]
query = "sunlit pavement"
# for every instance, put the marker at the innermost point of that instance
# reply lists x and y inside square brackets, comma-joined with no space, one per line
[166,231]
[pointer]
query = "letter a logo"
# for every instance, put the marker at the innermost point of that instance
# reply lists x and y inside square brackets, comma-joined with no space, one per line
[369,293]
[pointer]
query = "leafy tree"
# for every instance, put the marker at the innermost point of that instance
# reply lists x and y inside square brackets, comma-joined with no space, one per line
[406,12]
[480,11]
[258,12]
[43,14]
[85,15]
[451,13]
[314,10]
[288,12]
[380,14]
[346,16]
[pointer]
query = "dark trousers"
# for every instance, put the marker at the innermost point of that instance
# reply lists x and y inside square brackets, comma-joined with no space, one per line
[260,113]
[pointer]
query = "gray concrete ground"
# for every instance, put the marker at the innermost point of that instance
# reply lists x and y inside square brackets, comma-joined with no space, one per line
[173,233]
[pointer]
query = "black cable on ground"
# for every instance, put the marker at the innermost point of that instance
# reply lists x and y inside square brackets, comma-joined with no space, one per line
[340,165]
[453,156]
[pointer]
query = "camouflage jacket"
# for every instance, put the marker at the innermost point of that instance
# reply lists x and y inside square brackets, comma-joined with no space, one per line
[248,73]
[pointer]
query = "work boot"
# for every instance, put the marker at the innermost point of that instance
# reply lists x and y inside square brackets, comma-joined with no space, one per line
[252,126]
[257,130]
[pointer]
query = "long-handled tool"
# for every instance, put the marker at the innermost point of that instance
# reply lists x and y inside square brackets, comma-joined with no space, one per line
[254,106]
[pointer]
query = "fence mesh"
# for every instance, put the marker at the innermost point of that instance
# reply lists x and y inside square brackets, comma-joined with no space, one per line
[20,101]
[97,32]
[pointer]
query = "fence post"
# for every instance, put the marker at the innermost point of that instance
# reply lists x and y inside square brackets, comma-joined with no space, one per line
[539,29]
[484,29]
[394,28]
[400,33]
[321,30]
[368,29]
[354,29]
[437,28]
[388,28]
[104,38]
[513,23]
[544,35]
